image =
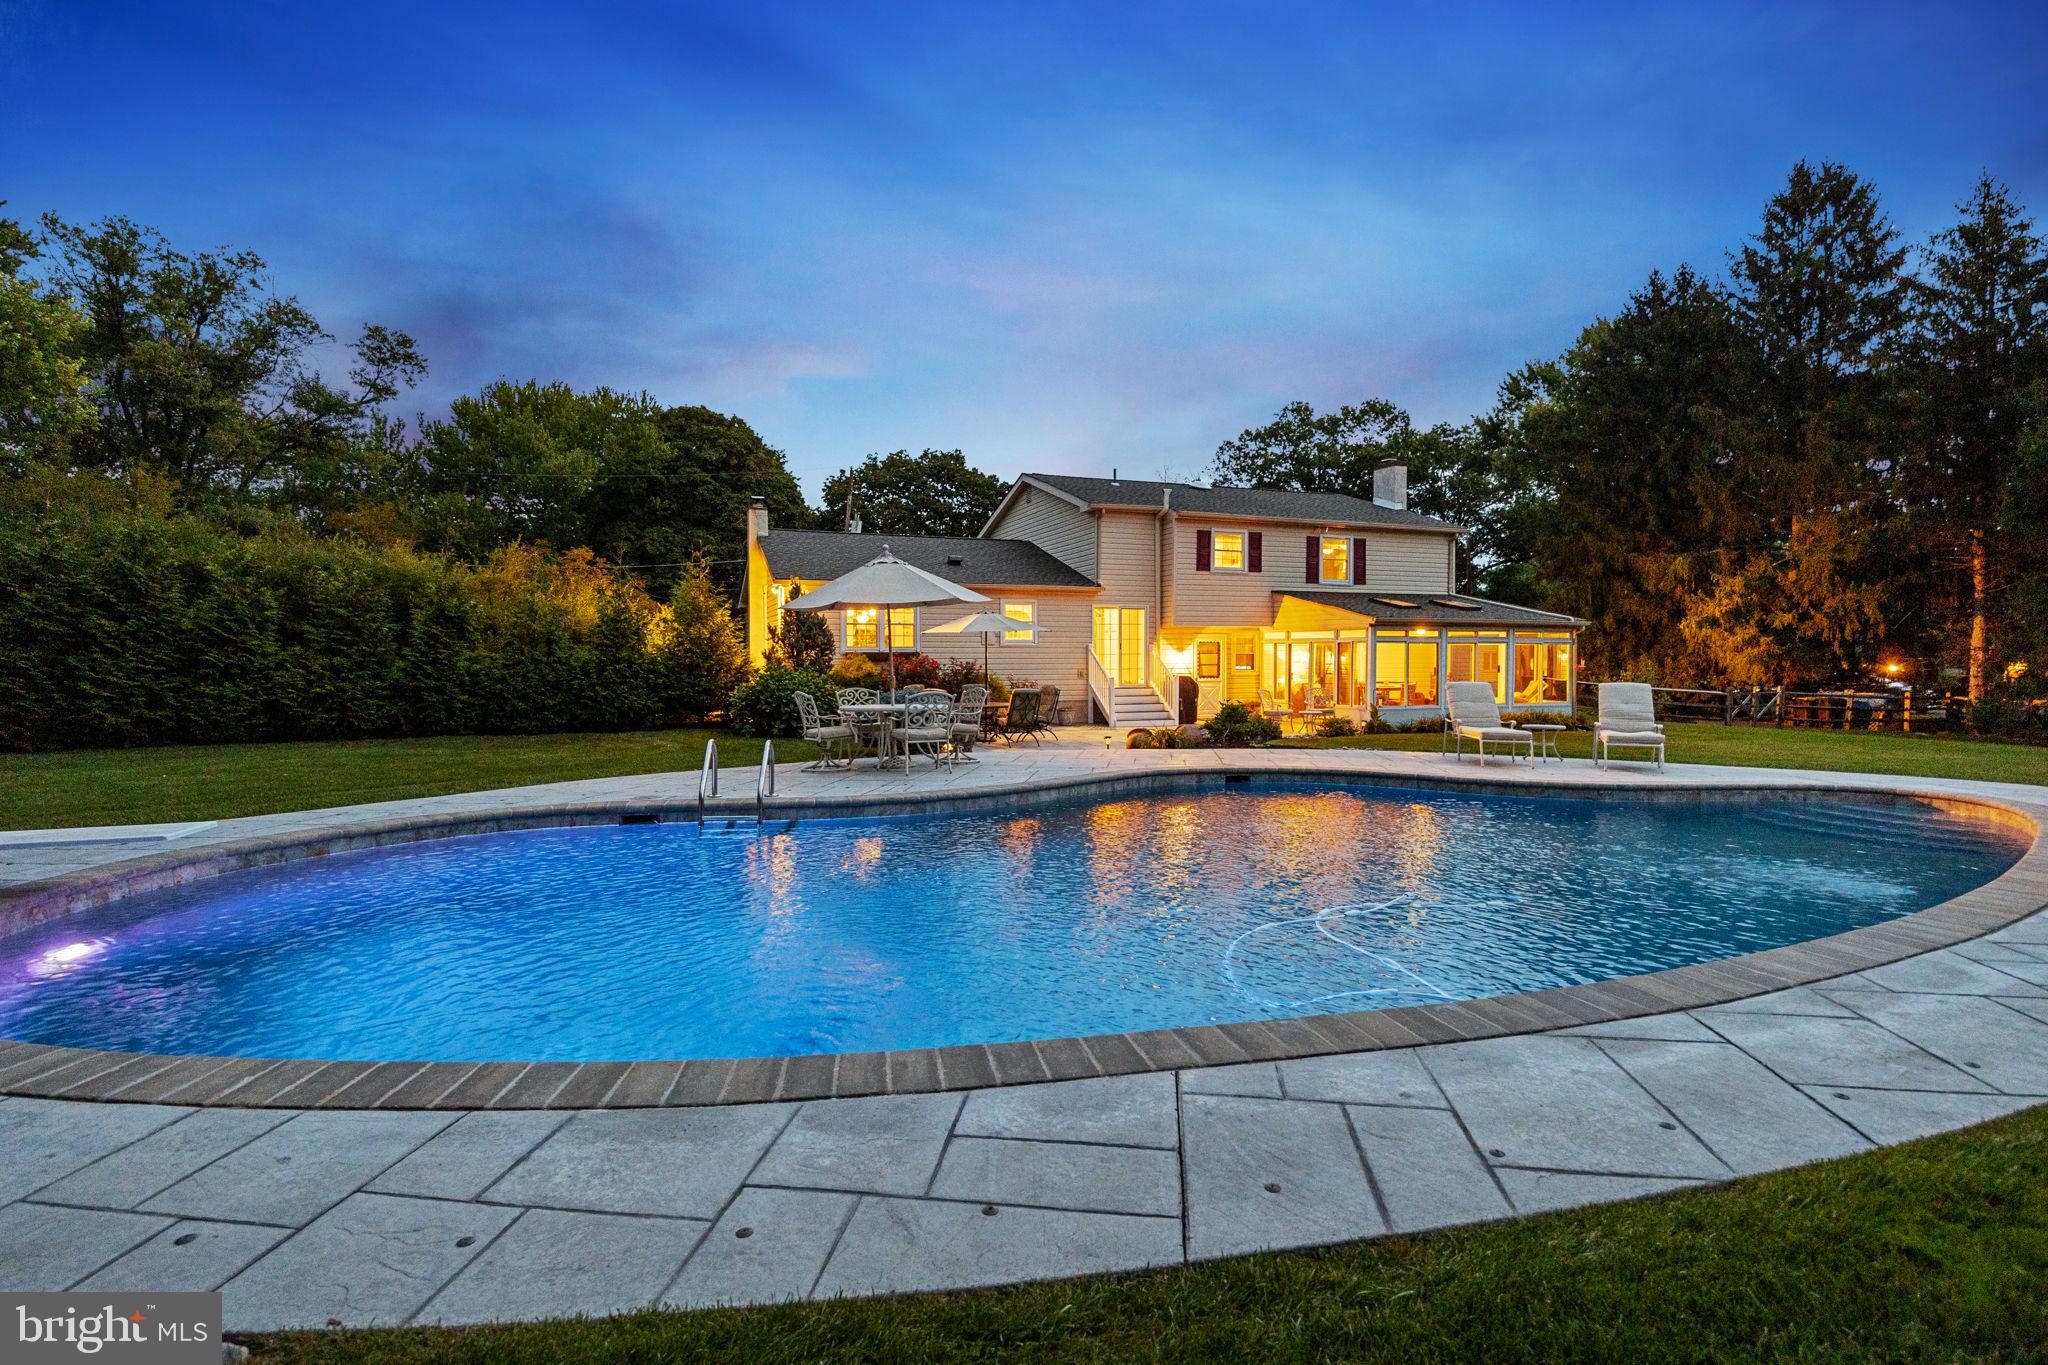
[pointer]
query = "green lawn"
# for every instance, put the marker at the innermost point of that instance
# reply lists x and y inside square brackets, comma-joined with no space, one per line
[1938,1250]
[1827,750]
[220,781]
[1933,1251]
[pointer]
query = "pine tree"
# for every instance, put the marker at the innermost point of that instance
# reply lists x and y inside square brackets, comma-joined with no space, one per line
[1982,343]
[1821,296]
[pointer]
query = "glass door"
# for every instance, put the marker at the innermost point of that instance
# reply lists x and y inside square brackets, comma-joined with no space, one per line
[1120,643]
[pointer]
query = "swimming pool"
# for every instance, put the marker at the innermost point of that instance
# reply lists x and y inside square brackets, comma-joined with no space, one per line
[1216,904]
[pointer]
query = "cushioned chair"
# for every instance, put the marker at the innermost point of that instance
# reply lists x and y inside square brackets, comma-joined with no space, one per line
[1628,719]
[1470,712]
[927,729]
[967,720]
[827,735]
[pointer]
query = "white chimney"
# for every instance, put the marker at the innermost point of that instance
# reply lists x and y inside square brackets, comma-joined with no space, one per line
[757,519]
[1390,485]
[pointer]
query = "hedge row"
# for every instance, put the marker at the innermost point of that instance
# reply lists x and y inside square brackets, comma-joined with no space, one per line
[133,624]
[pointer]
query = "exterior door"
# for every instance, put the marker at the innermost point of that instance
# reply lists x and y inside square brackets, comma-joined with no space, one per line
[1120,644]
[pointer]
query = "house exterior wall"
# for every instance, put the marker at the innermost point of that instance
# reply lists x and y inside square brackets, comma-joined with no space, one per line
[1062,530]
[1127,566]
[1405,561]
[1058,657]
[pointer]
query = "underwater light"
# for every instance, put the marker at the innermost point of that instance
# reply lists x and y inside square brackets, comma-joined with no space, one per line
[71,952]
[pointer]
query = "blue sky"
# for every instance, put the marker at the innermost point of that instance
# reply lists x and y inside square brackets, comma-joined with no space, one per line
[1064,237]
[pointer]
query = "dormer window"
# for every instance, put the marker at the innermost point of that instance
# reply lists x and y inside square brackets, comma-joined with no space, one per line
[1336,559]
[1228,554]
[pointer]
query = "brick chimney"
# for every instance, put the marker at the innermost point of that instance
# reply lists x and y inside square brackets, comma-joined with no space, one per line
[1390,485]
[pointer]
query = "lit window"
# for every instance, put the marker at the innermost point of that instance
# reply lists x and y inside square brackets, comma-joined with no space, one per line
[1336,559]
[1485,661]
[1404,672]
[903,627]
[1027,612]
[1243,659]
[860,628]
[1226,554]
[1543,672]
[1208,659]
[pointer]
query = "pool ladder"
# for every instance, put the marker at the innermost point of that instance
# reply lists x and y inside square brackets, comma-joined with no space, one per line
[707,780]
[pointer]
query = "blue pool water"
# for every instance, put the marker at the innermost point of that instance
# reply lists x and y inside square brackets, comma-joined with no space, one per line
[1230,903]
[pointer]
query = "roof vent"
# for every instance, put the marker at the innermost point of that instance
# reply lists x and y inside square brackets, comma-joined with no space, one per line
[954,561]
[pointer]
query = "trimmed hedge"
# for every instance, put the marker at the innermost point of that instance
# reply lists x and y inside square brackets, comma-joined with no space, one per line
[124,622]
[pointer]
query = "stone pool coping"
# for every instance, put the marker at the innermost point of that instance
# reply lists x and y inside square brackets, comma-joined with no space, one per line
[29,1069]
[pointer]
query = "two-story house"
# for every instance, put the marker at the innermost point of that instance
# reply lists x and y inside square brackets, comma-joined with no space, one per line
[1155,602]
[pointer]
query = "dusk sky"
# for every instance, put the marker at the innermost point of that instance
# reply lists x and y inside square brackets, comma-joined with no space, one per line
[1065,237]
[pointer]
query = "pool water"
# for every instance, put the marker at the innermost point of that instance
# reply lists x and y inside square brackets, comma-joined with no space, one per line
[1217,904]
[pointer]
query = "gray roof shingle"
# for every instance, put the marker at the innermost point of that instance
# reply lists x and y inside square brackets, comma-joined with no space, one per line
[818,555]
[1429,608]
[1279,504]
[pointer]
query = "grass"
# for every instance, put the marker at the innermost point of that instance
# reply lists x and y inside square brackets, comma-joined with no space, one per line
[1935,1250]
[222,781]
[1826,750]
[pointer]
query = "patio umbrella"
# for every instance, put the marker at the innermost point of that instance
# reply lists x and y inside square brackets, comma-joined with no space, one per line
[988,625]
[884,581]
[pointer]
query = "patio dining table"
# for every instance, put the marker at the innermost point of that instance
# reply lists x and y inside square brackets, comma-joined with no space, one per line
[885,716]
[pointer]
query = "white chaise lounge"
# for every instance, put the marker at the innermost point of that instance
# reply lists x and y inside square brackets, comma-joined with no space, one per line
[1470,712]
[1628,720]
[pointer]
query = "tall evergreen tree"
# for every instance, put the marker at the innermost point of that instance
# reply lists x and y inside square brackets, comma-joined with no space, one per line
[1821,296]
[1982,347]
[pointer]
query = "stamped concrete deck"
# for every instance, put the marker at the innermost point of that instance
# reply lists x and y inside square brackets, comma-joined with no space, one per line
[308,1215]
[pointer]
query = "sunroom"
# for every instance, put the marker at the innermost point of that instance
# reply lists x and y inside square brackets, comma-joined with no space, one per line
[1359,650]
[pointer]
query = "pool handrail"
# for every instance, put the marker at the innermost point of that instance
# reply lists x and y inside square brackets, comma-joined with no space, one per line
[765,788]
[707,780]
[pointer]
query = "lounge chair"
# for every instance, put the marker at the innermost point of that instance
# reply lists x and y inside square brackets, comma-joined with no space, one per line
[1470,712]
[827,735]
[1628,719]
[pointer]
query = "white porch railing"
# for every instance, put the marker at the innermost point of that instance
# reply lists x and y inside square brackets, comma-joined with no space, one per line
[1100,690]
[1166,680]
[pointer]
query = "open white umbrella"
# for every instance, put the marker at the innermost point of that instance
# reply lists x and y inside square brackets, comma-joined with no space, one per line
[988,625]
[884,581]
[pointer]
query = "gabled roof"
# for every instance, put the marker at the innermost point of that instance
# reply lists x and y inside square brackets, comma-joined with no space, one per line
[1277,504]
[818,555]
[1453,609]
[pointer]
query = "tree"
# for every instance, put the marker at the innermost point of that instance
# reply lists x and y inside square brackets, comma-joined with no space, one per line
[1982,345]
[1621,453]
[936,493]
[520,462]
[1820,296]
[199,370]
[1331,452]
[689,496]
[42,383]
[803,640]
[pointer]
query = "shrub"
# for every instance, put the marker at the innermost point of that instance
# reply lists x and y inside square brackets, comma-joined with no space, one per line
[1334,726]
[1568,719]
[856,670]
[123,621]
[955,674]
[913,670]
[1237,726]
[803,640]
[766,707]
[1165,737]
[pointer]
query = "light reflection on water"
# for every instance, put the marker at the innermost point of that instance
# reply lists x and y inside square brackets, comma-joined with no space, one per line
[655,941]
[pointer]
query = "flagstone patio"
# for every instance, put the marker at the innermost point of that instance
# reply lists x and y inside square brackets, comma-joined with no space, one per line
[309,1216]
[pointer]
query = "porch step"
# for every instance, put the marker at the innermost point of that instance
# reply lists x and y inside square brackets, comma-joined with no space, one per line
[1138,706]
